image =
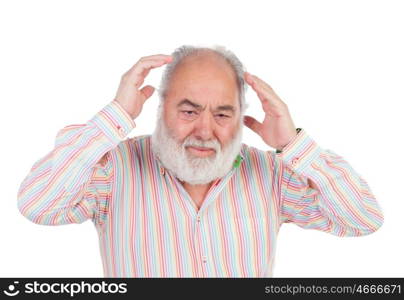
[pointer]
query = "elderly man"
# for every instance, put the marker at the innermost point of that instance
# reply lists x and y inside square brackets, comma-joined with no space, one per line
[192,200]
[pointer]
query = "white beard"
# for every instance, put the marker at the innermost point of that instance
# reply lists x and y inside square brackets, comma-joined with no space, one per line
[187,167]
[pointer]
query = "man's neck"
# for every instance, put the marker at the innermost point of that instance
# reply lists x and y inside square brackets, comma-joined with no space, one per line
[197,192]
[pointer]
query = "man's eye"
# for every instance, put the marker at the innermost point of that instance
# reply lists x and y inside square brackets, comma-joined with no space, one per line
[188,112]
[223,116]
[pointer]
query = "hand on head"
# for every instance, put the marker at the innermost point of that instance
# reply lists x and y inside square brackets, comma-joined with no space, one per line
[277,128]
[129,94]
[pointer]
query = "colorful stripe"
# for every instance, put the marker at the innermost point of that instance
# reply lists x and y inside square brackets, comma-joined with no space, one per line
[149,226]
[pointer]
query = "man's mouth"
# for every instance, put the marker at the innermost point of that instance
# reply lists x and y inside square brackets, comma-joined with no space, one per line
[201,151]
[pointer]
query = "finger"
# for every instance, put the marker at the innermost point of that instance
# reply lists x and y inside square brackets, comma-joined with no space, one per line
[253,82]
[147,91]
[269,99]
[166,58]
[146,70]
[259,91]
[261,82]
[143,65]
[266,89]
[156,56]
[253,124]
[247,78]
[258,85]
[142,69]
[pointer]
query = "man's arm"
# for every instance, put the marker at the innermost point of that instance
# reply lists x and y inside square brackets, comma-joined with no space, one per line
[319,190]
[72,182]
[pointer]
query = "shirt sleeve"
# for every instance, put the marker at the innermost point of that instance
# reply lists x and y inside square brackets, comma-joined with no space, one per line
[72,183]
[337,201]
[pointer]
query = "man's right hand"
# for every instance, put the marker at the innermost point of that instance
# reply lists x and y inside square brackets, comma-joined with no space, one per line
[129,96]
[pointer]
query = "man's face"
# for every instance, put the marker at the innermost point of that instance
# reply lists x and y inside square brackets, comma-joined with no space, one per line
[202,103]
[198,133]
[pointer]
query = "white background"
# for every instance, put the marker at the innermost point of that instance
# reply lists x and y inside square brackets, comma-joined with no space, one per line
[337,64]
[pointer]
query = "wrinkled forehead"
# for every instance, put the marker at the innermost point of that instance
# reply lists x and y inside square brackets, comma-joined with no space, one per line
[209,80]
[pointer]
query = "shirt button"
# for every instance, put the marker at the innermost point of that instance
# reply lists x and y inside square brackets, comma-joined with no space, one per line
[295,161]
[204,259]
[198,218]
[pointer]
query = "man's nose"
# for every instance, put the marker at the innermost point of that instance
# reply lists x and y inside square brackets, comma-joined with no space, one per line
[204,127]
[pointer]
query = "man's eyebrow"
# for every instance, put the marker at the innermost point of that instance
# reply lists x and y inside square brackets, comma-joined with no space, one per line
[226,107]
[188,102]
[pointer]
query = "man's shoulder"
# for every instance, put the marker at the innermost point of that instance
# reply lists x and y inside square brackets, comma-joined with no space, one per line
[140,143]
[257,160]
[140,138]
[248,151]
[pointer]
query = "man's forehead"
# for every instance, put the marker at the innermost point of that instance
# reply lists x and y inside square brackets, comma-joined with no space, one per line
[203,82]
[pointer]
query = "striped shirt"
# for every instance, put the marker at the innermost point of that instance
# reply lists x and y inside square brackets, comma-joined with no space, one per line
[149,226]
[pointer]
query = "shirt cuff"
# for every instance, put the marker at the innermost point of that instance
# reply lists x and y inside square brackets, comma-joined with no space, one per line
[114,121]
[300,153]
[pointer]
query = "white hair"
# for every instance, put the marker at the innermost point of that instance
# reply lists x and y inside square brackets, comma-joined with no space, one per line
[187,50]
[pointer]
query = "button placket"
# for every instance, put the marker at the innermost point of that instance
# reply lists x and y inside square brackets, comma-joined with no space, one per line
[202,249]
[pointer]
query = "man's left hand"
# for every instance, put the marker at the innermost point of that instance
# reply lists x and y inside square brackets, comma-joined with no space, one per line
[277,129]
